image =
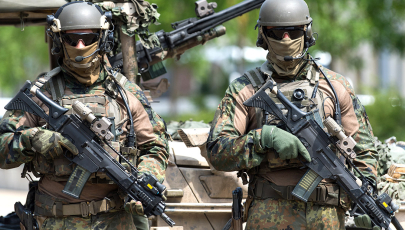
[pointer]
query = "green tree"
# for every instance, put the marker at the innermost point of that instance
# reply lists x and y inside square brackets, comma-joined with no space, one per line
[23,55]
[386,115]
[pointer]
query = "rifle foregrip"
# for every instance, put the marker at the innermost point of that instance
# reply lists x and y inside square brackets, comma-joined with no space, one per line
[76,182]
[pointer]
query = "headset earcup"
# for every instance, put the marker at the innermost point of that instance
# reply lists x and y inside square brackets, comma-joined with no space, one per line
[260,40]
[309,39]
[106,41]
[56,45]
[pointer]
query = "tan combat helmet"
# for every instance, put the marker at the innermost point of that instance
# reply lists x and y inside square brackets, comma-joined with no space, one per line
[285,13]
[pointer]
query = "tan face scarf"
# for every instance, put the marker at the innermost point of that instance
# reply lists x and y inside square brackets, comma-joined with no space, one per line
[86,71]
[278,49]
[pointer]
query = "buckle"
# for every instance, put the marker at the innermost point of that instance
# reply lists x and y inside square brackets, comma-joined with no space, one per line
[92,209]
[84,209]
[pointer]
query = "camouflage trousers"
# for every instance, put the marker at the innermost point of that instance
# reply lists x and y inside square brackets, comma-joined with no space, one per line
[271,214]
[114,220]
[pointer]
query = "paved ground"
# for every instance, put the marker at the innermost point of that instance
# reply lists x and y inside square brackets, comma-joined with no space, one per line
[8,197]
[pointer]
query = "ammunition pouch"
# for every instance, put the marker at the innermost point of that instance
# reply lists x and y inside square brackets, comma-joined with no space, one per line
[54,207]
[324,194]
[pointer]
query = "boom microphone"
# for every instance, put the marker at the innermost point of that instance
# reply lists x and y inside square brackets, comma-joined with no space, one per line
[289,58]
[81,58]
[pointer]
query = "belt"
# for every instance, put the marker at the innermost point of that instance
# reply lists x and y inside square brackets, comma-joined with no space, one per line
[84,209]
[327,194]
[46,206]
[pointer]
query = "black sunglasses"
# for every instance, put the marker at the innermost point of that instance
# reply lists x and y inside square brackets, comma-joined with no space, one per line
[73,38]
[278,32]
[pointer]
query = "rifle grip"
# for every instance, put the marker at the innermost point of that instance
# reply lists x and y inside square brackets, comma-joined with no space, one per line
[76,182]
[306,185]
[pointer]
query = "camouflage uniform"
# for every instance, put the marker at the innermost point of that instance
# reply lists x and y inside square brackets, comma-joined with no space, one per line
[150,141]
[232,148]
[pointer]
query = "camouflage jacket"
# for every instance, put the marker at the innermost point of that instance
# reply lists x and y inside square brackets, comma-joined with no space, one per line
[230,149]
[150,129]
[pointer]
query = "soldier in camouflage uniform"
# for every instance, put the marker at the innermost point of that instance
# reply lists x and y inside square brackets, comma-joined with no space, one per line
[80,32]
[248,140]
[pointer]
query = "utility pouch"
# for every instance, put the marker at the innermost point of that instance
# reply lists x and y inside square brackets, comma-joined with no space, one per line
[25,212]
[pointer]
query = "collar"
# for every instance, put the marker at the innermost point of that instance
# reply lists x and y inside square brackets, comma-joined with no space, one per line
[268,70]
[70,79]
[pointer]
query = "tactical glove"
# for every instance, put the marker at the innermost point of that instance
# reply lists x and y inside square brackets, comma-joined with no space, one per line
[50,143]
[134,207]
[285,144]
[364,221]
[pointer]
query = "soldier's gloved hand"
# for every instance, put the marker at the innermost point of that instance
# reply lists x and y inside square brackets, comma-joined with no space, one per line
[284,143]
[50,143]
[364,221]
[134,207]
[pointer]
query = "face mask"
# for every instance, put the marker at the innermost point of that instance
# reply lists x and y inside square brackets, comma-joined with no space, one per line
[86,71]
[278,49]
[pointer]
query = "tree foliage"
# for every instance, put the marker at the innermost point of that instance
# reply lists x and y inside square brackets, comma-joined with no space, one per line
[386,115]
[23,55]
[342,25]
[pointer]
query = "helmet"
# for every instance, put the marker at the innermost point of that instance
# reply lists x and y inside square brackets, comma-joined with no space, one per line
[284,13]
[80,15]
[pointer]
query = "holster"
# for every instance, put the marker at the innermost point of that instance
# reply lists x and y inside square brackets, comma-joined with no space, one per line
[237,224]
[27,220]
[25,212]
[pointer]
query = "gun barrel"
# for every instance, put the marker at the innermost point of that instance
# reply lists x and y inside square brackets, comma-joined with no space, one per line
[225,15]
[183,47]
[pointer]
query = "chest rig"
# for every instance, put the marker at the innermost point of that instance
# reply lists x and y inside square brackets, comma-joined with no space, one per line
[303,93]
[102,101]
[306,96]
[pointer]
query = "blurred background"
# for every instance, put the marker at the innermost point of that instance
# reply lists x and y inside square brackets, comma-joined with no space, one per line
[364,40]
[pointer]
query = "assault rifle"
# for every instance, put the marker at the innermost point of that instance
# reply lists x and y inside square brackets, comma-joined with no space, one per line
[187,34]
[308,128]
[87,133]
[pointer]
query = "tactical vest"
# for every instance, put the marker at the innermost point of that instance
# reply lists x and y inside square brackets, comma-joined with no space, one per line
[257,77]
[102,104]
[259,186]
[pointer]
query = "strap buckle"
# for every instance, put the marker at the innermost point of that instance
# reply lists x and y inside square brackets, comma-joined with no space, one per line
[88,208]
[84,209]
